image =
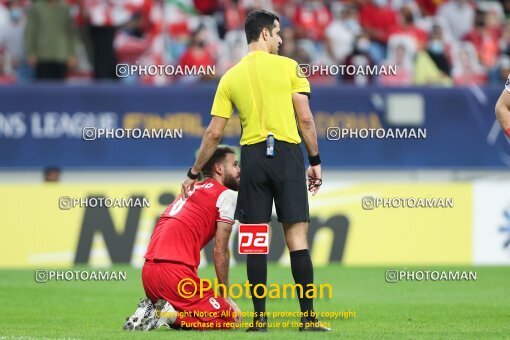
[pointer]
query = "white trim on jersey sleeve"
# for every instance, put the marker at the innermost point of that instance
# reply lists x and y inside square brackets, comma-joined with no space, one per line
[226,205]
[507,84]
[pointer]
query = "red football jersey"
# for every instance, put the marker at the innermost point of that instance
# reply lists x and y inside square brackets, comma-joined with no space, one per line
[187,225]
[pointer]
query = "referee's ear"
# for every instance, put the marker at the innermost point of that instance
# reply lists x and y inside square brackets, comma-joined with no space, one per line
[265,34]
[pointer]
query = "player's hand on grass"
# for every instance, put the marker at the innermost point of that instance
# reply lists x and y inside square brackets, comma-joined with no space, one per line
[237,311]
[314,178]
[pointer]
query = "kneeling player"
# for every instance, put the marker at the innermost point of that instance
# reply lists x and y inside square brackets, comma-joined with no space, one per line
[173,254]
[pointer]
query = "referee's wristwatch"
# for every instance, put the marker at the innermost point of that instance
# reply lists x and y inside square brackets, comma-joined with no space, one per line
[193,176]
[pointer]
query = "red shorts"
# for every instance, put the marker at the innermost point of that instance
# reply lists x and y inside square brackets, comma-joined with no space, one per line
[161,281]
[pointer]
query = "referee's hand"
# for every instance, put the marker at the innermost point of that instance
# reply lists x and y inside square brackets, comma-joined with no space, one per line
[314,178]
[187,186]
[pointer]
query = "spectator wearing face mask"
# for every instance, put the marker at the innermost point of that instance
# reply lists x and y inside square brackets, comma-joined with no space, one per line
[436,49]
[359,56]
[341,34]
[426,71]
[11,39]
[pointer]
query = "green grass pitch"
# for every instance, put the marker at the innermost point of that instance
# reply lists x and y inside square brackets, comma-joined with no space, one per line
[403,310]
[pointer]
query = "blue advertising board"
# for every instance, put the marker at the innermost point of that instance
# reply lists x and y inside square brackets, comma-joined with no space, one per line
[42,125]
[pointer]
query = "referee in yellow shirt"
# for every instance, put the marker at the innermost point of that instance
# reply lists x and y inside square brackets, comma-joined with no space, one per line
[272,101]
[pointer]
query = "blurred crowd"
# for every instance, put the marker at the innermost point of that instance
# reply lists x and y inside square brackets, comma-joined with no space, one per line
[431,42]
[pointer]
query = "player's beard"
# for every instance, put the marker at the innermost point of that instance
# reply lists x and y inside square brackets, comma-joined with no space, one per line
[231,182]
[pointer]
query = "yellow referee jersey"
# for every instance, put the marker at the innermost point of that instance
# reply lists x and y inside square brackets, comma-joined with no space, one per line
[260,86]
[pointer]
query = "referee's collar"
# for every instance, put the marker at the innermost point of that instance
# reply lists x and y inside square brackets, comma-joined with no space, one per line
[256,51]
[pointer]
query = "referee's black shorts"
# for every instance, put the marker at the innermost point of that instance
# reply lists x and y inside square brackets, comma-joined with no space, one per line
[263,179]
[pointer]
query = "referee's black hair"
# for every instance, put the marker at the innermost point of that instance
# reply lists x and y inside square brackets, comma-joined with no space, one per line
[256,22]
[217,157]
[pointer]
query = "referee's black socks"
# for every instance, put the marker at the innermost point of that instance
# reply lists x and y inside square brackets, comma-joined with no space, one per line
[256,266]
[302,271]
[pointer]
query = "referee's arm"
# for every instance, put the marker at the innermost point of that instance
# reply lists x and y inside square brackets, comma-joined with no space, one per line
[306,123]
[210,142]
[221,111]
[307,127]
